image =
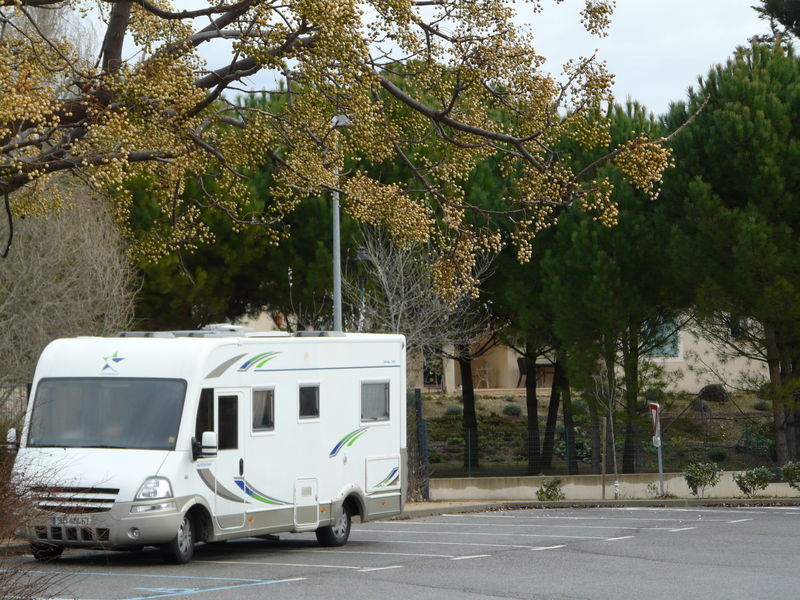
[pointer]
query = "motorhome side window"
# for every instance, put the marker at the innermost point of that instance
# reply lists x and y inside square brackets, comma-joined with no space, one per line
[309,401]
[227,422]
[263,410]
[375,401]
[205,414]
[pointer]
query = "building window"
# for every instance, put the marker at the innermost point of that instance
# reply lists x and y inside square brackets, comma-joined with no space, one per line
[667,341]
[375,401]
[309,401]
[263,410]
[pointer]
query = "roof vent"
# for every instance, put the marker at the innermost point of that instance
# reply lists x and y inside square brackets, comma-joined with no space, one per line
[146,334]
[319,334]
[225,327]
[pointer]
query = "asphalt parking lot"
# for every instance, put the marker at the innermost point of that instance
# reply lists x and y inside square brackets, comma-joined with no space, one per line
[595,554]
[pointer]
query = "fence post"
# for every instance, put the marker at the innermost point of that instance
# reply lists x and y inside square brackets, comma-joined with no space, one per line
[422,437]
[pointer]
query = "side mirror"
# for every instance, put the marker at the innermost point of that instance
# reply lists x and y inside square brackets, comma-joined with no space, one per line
[11,440]
[208,446]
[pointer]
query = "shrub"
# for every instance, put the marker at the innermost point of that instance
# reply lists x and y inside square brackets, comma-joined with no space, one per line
[764,405]
[434,457]
[579,408]
[512,410]
[655,395]
[550,490]
[699,476]
[583,451]
[718,455]
[790,473]
[764,391]
[454,409]
[714,392]
[700,404]
[455,440]
[654,492]
[18,579]
[496,458]
[509,398]
[753,480]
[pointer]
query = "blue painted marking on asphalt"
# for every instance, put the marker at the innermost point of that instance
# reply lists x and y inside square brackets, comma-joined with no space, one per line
[165,590]
[216,589]
[175,592]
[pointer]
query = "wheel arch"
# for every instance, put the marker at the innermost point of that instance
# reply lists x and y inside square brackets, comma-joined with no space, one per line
[353,497]
[201,519]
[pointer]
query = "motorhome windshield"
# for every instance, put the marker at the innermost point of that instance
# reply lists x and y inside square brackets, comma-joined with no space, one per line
[107,413]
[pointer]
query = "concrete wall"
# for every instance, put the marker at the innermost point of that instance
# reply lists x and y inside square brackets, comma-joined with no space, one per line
[587,487]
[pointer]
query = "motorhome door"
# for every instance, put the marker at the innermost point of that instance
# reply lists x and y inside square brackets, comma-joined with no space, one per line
[231,420]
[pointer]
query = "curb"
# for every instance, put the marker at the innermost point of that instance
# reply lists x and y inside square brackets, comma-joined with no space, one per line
[469,507]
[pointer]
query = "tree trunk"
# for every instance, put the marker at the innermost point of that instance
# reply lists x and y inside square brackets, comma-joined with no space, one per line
[611,399]
[777,393]
[548,445]
[594,431]
[569,428]
[630,367]
[534,452]
[468,398]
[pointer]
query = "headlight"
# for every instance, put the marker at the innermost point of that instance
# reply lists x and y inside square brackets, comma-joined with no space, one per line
[154,488]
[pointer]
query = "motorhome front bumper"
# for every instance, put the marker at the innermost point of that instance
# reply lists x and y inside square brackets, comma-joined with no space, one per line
[125,524]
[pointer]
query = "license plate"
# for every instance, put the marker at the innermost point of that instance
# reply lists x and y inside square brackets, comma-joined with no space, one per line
[71,521]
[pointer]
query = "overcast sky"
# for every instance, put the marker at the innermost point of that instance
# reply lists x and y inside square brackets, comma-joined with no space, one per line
[656,48]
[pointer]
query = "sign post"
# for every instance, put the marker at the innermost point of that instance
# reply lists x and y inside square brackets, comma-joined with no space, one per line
[655,416]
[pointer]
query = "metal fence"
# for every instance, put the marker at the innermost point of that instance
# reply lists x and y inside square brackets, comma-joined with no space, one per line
[502,447]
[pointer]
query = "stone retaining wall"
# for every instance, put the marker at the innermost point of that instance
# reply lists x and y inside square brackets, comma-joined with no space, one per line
[588,487]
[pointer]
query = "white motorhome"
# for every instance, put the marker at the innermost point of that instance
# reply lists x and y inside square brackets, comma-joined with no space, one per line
[170,438]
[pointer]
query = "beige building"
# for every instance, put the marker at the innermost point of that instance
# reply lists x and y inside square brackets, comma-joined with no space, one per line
[689,361]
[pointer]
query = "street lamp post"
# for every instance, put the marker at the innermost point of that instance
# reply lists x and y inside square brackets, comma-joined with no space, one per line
[337,122]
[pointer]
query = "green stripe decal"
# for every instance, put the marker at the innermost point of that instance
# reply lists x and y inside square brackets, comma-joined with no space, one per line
[355,437]
[348,439]
[263,362]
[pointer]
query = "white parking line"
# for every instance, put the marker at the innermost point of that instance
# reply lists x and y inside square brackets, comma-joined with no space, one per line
[518,525]
[418,543]
[548,547]
[386,553]
[277,564]
[681,529]
[727,511]
[557,518]
[379,568]
[535,535]
[470,556]
[615,539]
[740,520]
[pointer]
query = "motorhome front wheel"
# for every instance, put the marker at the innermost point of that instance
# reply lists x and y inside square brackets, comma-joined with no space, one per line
[181,549]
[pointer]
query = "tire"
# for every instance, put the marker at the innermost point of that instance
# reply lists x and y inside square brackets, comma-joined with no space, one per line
[45,552]
[181,549]
[336,534]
